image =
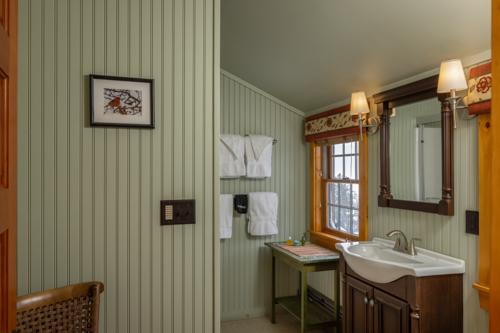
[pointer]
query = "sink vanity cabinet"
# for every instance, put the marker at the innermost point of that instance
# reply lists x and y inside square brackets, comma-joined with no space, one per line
[408,304]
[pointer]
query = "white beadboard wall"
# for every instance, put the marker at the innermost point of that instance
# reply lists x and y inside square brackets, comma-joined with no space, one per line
[89,198]
[245,260]
[443,234]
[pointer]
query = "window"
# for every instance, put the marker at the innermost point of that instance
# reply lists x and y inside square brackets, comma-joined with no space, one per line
[338,190]
[341,183]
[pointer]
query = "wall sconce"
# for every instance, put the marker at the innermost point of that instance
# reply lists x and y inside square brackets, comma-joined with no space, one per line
[451,80]
[360,111]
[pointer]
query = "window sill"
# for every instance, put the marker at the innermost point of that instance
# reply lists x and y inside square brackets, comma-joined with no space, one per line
[326,240]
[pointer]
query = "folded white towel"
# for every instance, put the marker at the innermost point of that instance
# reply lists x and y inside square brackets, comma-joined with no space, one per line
[226,215]
[259,156]
[232,156]
[262,213]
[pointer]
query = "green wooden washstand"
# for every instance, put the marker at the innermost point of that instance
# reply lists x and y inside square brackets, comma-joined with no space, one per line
[311,315]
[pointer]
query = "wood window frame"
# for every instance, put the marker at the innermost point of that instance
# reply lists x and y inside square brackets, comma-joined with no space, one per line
[320,233]
[330,178]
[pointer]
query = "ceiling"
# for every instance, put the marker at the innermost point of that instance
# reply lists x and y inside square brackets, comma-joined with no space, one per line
[312,53]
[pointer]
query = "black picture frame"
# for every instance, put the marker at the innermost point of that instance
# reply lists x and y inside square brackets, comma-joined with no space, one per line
[97,111]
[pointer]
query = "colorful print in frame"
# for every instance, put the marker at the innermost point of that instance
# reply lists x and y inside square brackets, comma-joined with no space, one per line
[121,101]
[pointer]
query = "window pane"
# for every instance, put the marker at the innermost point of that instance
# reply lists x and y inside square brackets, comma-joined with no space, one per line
[350,148]
[338,167]
[355,195]
[331,218]
[350,167]
[345,219]
[345,194]
[337,149]
[332,193]
[336,220]
[355,222]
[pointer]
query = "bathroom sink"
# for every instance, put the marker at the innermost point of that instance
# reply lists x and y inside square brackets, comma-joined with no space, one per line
[378,262]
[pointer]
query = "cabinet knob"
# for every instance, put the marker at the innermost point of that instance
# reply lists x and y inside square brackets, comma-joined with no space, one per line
[366,300]
[372,302]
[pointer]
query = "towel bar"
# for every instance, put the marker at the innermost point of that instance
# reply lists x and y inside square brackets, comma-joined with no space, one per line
[275,141]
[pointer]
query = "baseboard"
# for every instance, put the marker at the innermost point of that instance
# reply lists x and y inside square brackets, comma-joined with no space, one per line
[316,296]
[313,295]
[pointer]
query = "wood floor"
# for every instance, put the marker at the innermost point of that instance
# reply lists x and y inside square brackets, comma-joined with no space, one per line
[285,323]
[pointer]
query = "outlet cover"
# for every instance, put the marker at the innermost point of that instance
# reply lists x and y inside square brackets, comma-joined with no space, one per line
[177,212]
[472,222]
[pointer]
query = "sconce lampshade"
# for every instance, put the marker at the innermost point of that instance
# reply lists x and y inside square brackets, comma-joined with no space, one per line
[451,76]
[359,104]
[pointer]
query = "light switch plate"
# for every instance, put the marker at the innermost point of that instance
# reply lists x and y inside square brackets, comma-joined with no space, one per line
[177,212]
[472,222]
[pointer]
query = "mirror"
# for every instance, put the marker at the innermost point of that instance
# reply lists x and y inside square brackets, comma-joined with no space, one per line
[416,148]
[415,151]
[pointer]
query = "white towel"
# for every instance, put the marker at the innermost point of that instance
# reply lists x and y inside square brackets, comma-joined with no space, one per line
[231,156]
[226,215]
[262,213]
[259,156]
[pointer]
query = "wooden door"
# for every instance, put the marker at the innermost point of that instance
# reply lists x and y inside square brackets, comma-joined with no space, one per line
[8,205]
[357,313]
[391,315]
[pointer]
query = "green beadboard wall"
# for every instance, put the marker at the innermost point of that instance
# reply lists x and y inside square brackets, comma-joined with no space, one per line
[245,260]
[89,197]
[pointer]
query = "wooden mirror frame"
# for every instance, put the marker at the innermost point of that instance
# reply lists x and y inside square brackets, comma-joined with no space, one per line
[414,92]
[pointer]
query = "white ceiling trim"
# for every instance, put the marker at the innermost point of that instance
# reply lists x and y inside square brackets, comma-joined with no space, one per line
[466,62]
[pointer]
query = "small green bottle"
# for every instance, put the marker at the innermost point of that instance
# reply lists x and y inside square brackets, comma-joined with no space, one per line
[303,239]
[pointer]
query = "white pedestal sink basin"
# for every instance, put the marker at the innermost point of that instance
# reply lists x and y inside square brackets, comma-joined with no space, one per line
[378,262]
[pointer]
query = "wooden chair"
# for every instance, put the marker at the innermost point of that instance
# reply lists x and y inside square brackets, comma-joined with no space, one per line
[73,308]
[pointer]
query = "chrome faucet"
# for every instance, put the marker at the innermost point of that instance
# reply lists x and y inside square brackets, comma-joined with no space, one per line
[402,245]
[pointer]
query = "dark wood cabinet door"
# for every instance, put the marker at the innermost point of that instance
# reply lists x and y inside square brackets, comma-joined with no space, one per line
[358,317]
[391,315]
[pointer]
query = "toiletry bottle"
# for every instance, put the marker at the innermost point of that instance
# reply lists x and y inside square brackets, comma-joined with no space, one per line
[289,241]
[303,239]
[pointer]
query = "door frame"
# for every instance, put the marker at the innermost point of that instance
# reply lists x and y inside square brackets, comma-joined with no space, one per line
[8,164]
[494,306]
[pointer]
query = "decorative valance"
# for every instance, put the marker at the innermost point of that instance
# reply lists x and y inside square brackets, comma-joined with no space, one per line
[332,123]
[479,94]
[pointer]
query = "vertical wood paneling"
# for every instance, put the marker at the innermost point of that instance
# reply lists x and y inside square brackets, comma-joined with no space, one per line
[245,260]
[89,197]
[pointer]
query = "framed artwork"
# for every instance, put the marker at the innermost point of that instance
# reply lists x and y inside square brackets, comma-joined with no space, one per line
[121,101]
